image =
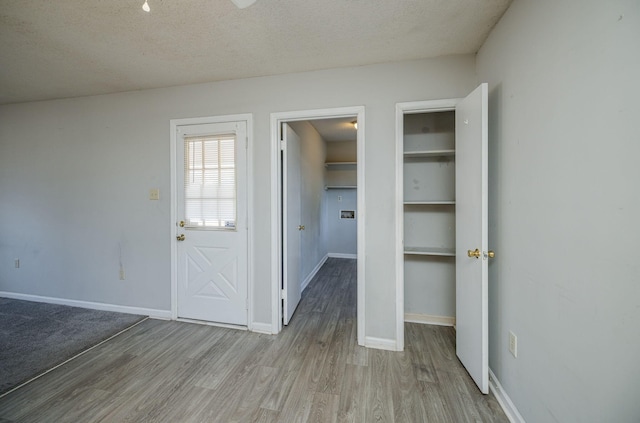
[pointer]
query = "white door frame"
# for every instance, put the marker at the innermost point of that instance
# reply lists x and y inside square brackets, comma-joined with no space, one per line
[276,209]
[402,109]
[174,124]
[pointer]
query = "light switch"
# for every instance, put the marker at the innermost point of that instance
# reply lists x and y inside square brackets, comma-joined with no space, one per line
[154,194]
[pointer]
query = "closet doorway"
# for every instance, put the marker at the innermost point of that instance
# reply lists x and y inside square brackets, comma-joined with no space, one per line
[318,179]
[442,225]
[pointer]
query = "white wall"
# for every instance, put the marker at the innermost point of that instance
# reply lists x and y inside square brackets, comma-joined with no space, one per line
[564,207]
[313,242]
[75,175]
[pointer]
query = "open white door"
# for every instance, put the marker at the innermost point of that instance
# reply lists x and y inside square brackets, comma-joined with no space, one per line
[472,324]
[212,253]
[291,225]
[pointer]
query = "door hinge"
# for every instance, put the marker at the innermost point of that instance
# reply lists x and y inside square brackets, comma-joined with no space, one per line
[283,294]
[282,145]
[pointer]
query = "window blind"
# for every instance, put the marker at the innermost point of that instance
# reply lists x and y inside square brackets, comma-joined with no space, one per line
[210,181]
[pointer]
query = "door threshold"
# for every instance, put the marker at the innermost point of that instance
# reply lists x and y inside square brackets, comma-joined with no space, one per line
[207,323]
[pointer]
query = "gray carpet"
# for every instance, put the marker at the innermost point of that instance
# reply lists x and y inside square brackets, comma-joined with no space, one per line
[34,337]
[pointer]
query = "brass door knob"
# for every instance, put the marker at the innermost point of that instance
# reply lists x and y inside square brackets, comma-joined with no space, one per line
[491,254]
[473,253]
[180,237]
[181,223]
[301,227]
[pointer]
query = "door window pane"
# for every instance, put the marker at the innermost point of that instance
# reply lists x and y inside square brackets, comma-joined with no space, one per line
[210,181]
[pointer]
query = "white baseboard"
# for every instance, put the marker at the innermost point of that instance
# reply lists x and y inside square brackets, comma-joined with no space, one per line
[380,343]
[315,270]
[153,313]
[503,399]
[342,255]
[260,327]
[427,319]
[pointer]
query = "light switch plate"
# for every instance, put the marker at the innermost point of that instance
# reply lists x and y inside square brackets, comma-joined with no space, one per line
[513,344]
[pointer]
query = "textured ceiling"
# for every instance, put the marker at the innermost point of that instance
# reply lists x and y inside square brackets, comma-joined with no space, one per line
[68,48]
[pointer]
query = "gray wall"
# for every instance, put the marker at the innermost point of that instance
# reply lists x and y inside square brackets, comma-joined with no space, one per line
[342,151]
[313,242]
[564,207]
[342,234]
[75,175]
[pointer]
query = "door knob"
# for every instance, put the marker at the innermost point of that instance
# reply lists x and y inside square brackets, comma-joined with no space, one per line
[491,254]
[181,223]
[301,227]
[180,237]
[473,253]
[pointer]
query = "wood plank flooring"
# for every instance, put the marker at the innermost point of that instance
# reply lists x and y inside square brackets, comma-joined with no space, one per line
[313,371]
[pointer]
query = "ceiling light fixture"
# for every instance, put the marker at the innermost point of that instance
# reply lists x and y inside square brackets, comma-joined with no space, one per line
[241,4]
[355,124]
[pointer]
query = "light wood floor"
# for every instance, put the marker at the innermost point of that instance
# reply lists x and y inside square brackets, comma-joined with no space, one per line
[313,371]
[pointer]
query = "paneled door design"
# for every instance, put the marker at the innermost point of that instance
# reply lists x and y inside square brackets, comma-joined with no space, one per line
[211,232]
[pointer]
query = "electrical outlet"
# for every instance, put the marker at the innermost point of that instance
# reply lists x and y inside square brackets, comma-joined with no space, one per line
[339,197]
[154,194]
[16,263]
[513,344]
[121,274]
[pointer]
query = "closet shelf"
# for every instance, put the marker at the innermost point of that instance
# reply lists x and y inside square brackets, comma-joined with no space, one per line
[429,203]
[340,187]
[430,251]
[430,153]
[335,164]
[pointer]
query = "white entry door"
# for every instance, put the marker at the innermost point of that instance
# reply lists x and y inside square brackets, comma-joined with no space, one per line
[291,224]
[472,254]
[212,254]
